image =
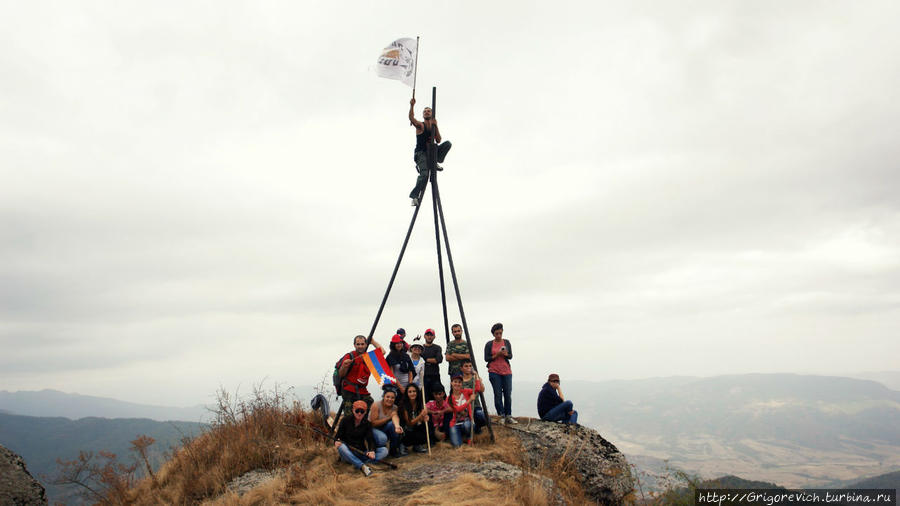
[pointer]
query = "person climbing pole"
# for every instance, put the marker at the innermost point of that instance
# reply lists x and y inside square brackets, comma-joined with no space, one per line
[427,132]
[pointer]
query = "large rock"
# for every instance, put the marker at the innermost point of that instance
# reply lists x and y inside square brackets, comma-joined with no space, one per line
[604,472]
[17,486]
[443,472]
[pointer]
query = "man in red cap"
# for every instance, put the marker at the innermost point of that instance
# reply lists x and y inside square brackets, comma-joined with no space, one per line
[552,406]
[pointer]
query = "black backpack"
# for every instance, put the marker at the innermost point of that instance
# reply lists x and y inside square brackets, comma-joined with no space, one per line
[336,378]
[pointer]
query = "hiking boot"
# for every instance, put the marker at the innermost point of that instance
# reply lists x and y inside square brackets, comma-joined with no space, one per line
[420,449]
[438,167]
[401,450]
[511,421]
[365,470]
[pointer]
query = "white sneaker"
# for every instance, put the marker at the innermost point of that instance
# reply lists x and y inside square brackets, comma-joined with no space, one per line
[365,470]
[510,420]
[500,421]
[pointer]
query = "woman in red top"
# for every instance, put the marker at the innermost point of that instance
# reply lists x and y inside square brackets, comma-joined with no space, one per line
[460,401]
[498,353]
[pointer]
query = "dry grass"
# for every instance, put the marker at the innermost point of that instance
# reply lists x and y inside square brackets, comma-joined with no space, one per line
[246,435]
[264,433]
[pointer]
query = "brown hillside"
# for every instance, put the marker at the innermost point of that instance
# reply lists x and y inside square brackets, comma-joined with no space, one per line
[262,452]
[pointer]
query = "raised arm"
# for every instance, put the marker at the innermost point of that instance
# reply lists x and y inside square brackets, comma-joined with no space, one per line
[412,117]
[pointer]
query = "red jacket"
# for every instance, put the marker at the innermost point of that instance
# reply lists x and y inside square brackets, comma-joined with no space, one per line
[456,409]
[357,377]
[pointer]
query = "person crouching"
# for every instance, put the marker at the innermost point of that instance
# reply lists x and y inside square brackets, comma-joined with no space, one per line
[354,436]
[440,412]
[461,403]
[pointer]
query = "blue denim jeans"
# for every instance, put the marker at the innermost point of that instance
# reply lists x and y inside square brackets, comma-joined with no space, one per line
[349,456]
[560,413]
[386,433]
[459,431]
[502,386]
[480,419]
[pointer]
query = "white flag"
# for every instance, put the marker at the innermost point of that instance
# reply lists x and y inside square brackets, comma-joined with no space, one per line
[398,61]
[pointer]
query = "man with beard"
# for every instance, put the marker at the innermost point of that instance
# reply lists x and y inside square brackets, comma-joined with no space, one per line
[427,133]
[433,355]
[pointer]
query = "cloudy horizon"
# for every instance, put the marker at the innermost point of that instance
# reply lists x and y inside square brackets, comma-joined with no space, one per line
[199,195]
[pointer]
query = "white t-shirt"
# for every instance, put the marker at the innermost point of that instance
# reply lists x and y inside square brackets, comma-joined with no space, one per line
[419,380]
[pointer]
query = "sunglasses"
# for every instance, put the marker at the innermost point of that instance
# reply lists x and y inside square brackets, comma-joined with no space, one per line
[359,411]
[554,381]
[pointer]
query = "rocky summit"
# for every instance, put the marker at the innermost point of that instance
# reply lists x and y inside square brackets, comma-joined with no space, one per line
[599,466]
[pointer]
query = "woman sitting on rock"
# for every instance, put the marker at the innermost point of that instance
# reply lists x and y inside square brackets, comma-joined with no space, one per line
[415,420]
[386,422]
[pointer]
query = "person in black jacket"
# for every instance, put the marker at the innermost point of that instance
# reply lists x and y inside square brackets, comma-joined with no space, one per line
[356,431]
[497,354]
[552,406]
[433,355]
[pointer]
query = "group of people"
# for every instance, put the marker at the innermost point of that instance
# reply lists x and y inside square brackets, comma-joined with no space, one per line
[417,410]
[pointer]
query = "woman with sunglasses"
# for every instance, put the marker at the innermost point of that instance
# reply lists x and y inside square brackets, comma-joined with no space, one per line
[356,432]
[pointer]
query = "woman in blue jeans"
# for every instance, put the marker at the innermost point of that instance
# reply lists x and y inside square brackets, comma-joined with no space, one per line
[460,401]
[497,354]
[385,421]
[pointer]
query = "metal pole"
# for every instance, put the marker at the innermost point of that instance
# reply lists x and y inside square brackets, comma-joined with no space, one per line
[394,274]
[416,69]
[437,242]
[432,161]
[462,313]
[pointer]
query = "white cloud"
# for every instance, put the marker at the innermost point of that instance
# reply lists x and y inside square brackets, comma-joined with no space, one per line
[219,194]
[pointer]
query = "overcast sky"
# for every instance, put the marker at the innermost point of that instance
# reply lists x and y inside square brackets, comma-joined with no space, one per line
[196,194]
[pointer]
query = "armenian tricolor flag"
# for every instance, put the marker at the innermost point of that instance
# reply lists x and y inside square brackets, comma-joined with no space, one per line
[379,368]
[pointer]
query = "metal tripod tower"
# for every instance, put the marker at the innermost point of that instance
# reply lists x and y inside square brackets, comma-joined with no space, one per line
[440,229]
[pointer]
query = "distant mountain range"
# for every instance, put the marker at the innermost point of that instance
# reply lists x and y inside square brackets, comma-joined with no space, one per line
[794,430]
[890,379]
[684,495]
[41,440]
[75,406]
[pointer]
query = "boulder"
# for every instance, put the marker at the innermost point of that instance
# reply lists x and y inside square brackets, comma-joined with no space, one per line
[17,486]
[601,467]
